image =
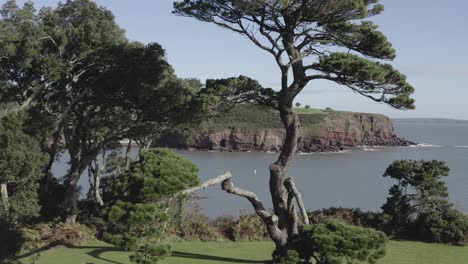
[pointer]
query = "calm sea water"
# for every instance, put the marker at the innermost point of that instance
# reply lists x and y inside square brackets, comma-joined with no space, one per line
[350,179]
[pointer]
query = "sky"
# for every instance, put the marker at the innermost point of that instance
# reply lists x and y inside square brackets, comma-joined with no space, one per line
[430,36]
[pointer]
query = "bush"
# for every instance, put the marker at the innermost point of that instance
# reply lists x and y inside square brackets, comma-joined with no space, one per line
[226,226]
[196,226]
[334,242]
[50,234]
[292,257]
[139,201]
[250,227]
[350,216]
[450,227]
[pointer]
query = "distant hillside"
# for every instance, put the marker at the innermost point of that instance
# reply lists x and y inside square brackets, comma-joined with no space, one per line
[252,128]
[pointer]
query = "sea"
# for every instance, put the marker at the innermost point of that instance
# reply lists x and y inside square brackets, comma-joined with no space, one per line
[352,178]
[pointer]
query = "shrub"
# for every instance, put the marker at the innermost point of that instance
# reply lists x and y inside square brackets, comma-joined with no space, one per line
[196,226]
[350,216]
[139,201]
[50,234]
[250,227]
[292,257]
[450,227]
[336,242]
[226,226]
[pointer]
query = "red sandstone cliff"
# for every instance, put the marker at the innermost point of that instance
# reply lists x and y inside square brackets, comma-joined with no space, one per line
[330,133]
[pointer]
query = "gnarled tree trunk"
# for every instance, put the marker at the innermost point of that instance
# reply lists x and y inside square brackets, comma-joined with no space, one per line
[282,224]
[283,200]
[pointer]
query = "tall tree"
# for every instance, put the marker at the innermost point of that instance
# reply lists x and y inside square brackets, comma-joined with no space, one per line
[136,97]
[309,40]
[73,67]
[45,55]
[418,205]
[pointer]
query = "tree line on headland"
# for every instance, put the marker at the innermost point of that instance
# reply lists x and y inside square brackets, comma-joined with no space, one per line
[72,82]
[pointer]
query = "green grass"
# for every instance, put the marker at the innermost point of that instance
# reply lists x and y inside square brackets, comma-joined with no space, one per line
[304,111]
[398,252]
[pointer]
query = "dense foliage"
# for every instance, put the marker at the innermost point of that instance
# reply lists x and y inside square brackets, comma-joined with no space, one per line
[21,165]
[86,83]
[418,205]
[334,242]
[140,198]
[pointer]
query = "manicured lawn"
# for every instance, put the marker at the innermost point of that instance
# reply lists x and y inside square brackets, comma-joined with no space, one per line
[398,252]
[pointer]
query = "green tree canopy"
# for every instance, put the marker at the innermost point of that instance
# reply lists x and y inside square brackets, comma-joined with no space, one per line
[315,40]
[21,164]
[73,68]
[418,204]
[309,40]
[139,200]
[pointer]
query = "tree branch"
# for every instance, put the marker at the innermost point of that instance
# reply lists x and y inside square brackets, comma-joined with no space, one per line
[208,183]
[291,186]
[269,218]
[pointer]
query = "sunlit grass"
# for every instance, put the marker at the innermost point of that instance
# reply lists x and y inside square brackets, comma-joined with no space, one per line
[195,252]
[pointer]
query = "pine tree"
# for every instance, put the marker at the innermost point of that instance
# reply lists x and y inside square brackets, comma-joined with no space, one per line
[139,202]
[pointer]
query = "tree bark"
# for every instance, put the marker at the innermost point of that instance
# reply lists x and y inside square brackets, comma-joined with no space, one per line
[207,183]
[71,193]
[282,224]
[282,199]
[4,193]
[291,186]
[94,174]
[97,186]
[271,220]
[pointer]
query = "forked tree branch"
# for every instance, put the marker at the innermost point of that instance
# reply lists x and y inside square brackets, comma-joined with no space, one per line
[271,220]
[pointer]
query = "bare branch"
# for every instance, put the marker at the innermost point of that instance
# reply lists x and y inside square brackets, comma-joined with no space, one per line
[291,186]
[208,183]
[267,217]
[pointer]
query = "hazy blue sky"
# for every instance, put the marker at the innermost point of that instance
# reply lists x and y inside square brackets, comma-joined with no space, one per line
[431,39]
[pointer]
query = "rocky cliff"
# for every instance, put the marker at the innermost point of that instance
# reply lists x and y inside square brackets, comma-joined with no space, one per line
[251,128]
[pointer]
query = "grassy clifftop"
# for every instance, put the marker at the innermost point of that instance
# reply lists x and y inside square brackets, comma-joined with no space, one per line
[253,117]
[249,127]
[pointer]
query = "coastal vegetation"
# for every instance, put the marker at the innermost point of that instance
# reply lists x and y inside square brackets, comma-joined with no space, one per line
[72,84]
[309,41]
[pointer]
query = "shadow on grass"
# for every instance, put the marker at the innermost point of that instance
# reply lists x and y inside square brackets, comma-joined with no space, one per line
[180,254]
[96,253]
